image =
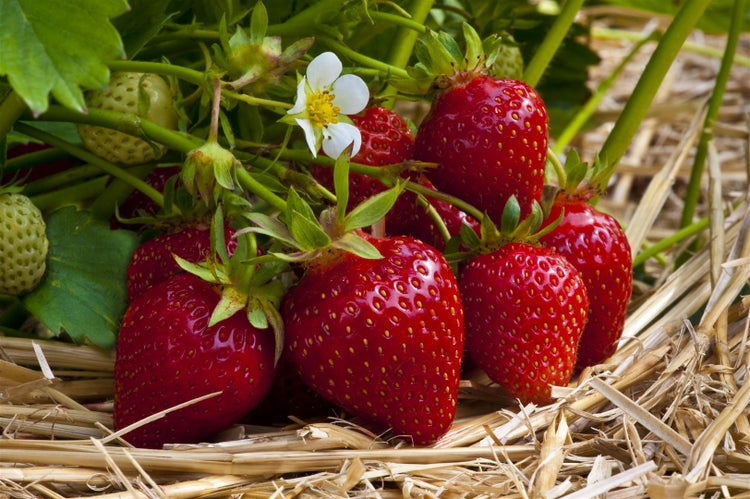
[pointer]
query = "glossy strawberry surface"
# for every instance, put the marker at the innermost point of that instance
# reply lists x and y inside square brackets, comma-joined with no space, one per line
[153,261]
[489,137]
[383,339]
[167,355]
[525,311]
[411,218]
[596,245]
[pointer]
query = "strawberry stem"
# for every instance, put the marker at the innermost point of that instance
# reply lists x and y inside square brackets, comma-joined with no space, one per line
[538,64]
[93,159]
[648,84]
[213,133]
[192,76]
[589,108]
[678,236]
[363,60]
[557,166]
[11,108]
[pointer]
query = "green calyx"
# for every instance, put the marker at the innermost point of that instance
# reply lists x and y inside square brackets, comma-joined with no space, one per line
[253,60]
[577,179]
[208,171]
[443,64]
[512,228]
[247,282]
[314,240]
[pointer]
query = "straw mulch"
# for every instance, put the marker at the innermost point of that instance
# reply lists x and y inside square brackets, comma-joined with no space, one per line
[666,417]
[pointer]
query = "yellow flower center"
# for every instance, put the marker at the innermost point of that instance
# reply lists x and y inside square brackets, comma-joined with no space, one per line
[320,109]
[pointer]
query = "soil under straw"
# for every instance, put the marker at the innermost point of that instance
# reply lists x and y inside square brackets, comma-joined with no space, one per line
[667,416]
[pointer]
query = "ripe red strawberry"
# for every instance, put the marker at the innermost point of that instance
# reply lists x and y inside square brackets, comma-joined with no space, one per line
[138,204]
[153,261]
[289,396]
[525,309]
[381,338]
[596,245]
[489,137]
[34,161]
[410,218]
[386,140]
[167,355]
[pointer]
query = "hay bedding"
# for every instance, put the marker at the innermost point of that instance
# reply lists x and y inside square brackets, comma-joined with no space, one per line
[665,417]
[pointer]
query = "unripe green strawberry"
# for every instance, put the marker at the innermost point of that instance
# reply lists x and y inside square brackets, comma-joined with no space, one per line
[23,244]
[145,95]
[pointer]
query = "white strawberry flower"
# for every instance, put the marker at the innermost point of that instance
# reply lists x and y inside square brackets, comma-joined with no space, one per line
[324,99]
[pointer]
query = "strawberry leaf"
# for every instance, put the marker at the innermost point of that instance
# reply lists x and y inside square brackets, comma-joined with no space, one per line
[84,290]
[37,55]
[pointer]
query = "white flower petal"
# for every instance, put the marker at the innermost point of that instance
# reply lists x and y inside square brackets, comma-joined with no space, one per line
[339,135]
[301,103]
[323,70]
[350,94]
[310,136]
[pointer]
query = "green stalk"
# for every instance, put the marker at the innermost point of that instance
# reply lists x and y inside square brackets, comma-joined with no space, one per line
[667,242]
[546,51]
[93,159]
[32,159]
[361,59]
[648,84]
[712,113]
[406,36]
[11,108]
[588,109]
[413,26]
[696,48]
[190,75]
[247,181]
[60,179]
[403,43]
[308,20]
[74,194]
[198,78]
[126,123]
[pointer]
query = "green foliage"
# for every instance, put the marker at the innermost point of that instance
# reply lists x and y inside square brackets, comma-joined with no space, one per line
[38,57]
[84,290]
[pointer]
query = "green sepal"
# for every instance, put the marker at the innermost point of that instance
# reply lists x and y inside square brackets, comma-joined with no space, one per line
[474,47]
[308,234]
[258,23]
[373,209]
[270,316]
[575,170]
[205,271]
[341,183]
[231,302]
[468,238]
[511,216]
[304,227]
[357,245]
[272,227]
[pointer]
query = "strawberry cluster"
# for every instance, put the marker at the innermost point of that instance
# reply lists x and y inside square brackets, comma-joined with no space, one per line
[360,284]
[384,338]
